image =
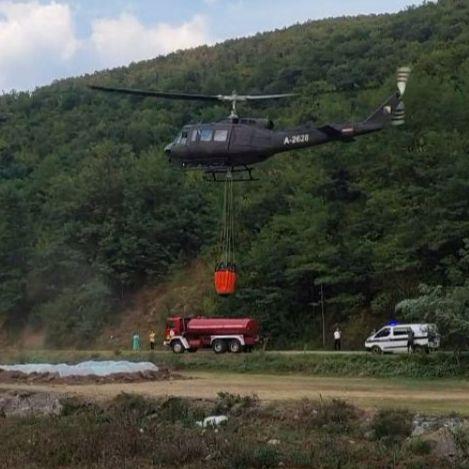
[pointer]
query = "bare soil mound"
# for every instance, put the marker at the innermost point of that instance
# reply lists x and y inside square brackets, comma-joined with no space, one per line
[163,374]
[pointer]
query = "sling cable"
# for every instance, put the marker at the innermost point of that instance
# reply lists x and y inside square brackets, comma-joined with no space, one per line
[226,275]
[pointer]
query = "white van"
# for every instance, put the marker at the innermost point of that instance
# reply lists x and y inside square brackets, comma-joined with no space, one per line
[393,338]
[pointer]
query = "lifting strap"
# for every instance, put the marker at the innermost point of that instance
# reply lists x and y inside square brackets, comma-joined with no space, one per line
[227,232]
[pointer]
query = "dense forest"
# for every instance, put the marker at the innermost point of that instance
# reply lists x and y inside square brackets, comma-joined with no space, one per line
[91,211]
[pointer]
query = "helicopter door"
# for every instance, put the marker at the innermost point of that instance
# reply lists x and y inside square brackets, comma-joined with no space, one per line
[220,145]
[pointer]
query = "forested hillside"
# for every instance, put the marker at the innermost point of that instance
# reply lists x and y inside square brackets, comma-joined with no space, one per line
[91,212]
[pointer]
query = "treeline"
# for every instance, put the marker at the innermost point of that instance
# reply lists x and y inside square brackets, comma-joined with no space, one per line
[91,211]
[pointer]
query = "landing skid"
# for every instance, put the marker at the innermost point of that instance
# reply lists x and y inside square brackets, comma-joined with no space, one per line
[220,174]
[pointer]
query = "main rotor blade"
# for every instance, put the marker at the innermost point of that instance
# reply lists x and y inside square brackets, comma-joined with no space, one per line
[155,94]
[269,96]
[190,96]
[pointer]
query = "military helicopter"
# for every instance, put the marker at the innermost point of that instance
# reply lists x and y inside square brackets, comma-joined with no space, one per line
[234,144]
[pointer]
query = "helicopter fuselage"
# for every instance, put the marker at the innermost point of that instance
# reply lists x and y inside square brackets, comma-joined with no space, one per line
[244,142]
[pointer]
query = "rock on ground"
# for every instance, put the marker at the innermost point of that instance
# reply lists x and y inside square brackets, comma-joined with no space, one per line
[26,404]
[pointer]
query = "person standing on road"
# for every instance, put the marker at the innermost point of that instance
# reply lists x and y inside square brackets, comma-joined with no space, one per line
[337,339]
[152,337]
[410,341]
[136,343]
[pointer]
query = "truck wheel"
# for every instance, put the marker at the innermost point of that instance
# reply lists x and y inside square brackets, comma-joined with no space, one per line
[177,346]
[235,346]
[219,346]
[376,350]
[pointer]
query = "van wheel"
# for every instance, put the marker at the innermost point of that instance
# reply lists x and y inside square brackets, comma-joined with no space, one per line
[235,346]
[177,346]
[376,350]
[219,346]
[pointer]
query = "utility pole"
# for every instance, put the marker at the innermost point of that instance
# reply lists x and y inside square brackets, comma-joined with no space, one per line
[323,318]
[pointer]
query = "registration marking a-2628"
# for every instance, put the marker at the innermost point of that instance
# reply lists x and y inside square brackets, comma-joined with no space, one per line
[294,139]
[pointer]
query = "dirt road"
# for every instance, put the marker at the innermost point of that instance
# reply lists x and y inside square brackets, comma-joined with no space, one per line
[428,396]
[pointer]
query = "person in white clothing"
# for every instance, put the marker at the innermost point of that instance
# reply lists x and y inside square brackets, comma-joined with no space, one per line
[337,338]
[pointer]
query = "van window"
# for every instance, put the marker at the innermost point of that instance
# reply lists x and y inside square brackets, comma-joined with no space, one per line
[431,328]
[383,332]
[220,136]
[171,324]
[401,332]
[206,135]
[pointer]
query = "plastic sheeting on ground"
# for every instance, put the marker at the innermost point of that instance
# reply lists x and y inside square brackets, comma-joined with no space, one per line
[97,368]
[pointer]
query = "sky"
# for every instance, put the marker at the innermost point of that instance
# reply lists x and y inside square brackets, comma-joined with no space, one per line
[44,40]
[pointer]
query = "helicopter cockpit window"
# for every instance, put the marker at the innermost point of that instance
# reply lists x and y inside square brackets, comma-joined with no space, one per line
[220,136]
[183,138]
[206,135]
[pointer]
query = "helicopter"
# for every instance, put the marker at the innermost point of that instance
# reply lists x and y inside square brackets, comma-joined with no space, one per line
[234,144]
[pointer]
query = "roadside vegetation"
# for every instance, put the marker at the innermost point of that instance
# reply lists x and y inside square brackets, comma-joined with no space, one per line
[440,365]
[132,431]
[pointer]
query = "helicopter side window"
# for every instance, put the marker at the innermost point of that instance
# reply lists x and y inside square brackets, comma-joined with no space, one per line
[195,135]
[220,135]
[206,135]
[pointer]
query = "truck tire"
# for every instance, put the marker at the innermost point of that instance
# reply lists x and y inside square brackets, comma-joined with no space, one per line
[177,346]
[235,346]
[376,350]
[219,346]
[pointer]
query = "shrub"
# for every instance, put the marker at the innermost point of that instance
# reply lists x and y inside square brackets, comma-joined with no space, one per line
[227,402]
[392,424]
[461,439]
[75,406]
[243,456]
[176,409]
[336,414]
[419,447]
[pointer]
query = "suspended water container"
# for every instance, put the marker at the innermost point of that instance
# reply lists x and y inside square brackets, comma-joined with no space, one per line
[225,279]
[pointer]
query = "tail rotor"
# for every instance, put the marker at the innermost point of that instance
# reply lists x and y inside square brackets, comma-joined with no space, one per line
[398,116]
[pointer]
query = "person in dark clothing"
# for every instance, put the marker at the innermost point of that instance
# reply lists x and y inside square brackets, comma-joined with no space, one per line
[410,341]
[337,339]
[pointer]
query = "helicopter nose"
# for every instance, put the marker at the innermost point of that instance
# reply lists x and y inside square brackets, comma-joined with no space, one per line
[168,148]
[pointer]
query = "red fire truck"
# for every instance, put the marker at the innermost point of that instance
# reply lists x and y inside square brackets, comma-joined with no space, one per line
[221,334]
